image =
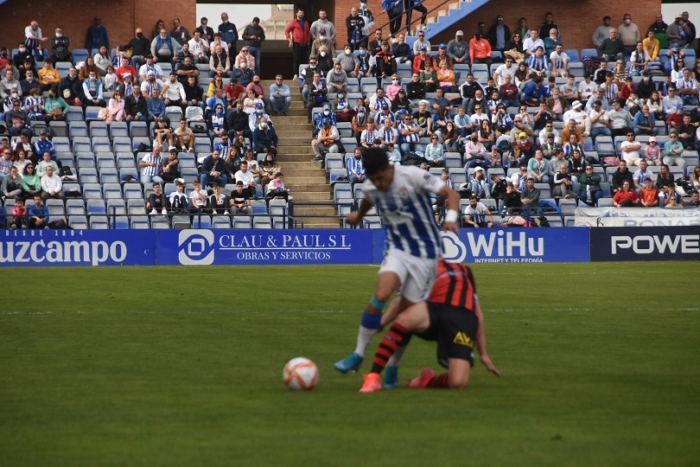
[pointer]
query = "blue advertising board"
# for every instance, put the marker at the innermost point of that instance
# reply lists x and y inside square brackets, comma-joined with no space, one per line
[77,247]
[645,243]
[274,247]
[512,245]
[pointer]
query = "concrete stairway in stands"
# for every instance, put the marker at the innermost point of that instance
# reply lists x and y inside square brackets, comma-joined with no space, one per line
[307,181]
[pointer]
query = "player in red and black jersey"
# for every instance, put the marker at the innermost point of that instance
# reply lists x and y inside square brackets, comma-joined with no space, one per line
[452,317]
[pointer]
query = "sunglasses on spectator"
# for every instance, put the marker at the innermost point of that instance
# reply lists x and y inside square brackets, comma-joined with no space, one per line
[477,108]
[244,50]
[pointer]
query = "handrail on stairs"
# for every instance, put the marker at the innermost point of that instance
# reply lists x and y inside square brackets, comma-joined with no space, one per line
[408,26]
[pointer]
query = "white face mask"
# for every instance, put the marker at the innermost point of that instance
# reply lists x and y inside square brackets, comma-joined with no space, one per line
[323,54]
[22,50]
[263,126]
[58,34]
[258,111]
[323,38]
[395,81]
[326,112]
[627,22]
[348,51]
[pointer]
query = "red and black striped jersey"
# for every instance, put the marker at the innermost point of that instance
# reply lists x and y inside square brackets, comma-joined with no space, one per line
[454,286]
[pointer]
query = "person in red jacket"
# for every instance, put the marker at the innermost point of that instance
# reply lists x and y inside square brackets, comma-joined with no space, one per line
[480,49]
[625,198]
[298,31]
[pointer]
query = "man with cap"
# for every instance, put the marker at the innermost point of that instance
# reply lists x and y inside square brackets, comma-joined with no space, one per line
[479,185]
[442,56]
[480,49]
[679,31]
[599,96]
[325,141]
[619,119]
[499,34]
[476,212]
[325,113]
[256,117]
[458,48]
[577,114]
[265,139]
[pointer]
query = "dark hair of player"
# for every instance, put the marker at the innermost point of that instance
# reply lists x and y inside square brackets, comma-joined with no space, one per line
[375,161]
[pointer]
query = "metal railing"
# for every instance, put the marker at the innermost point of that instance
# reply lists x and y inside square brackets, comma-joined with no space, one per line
[408,26]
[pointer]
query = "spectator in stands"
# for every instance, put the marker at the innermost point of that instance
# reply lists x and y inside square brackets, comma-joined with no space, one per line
[17,120]
[33,36]
[280,96]
[8,83]
[401,50]
[152,166]
[124,70]
[507,69]
[385,63]
[420,42]
[612,48]
[23,60]
[629,34]
[46,162]
[602,32]
[139,46]
[214,170]
[619,119]
[337,79]
[530,198]
[115,109]
[6,163]
[227,32]
[563,185]
[356,168]
[198,197]
[38,214]
[265,138]
[162,133]
[199,47]
[641,175]
[220,64]
[679,31]
[652,152]
[51,185]
[110,80]
[538,167]
[184,137]
[60,45]
[673,152]
[458,49]
[317,94]
[531,43]
[268,168]
[240,201]
[34,104]
[534,92]
[174,92]
[298,32]
[687,88]
[625,197]
[675,120]
[649,195]
[551,40]
[666,184]
[31,182]
[156,107]
[29,82]
[247,178]
[177,201]
[156,201]
[96,35]
[55,106]
[694,201]
[164,47]
[590,191]
[135,106]
[171,167]
[253,36]
[243,74]
[92,90]
[186,70]
[621,175]
[434,153]
[428,76]
[644,122]
[326,141]
[102,59]
[217,122]
[499,35]
[468,91]
[686,132]
[420,59]
[538,63]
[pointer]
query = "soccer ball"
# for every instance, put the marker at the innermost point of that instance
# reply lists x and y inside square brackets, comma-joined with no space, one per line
[300,374]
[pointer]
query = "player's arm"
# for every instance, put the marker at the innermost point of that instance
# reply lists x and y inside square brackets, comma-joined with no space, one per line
[355,217]
[481,342]
[452,216]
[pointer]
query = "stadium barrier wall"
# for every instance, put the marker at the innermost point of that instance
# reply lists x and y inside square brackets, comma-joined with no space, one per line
[645,244]
[275,247]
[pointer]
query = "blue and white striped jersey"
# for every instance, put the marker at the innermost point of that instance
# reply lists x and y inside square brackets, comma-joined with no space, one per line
[407,212]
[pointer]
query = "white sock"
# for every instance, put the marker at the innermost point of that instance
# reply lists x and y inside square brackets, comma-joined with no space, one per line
[363,339]
[395,360]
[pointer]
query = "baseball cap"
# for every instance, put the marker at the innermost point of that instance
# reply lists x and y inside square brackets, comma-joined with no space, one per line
[652,138]
[385,105]
[326,107]
[151,73]
[576,105]
[522,134]
[459,33]
[422,47]
[679,106]
[443,46]
[258,105]
[479,169]
[42,133]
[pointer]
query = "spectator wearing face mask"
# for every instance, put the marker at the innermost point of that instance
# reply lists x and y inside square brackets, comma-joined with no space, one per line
[348,61]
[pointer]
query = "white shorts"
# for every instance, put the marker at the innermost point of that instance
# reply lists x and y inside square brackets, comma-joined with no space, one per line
[416,274]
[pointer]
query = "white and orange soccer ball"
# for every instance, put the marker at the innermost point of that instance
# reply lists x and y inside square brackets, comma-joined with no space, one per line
[300,374]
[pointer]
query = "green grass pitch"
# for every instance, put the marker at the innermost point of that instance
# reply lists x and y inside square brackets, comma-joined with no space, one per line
[183,366]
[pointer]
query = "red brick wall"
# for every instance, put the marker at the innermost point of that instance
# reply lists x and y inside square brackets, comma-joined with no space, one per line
[577,19]
[120,17]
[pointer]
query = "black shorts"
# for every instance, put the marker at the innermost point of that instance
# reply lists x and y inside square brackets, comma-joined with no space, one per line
[454,329]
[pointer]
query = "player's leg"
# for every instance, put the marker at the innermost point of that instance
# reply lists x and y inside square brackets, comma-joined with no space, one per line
[414,319]
[457,376]
[388,282]
[415,288]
